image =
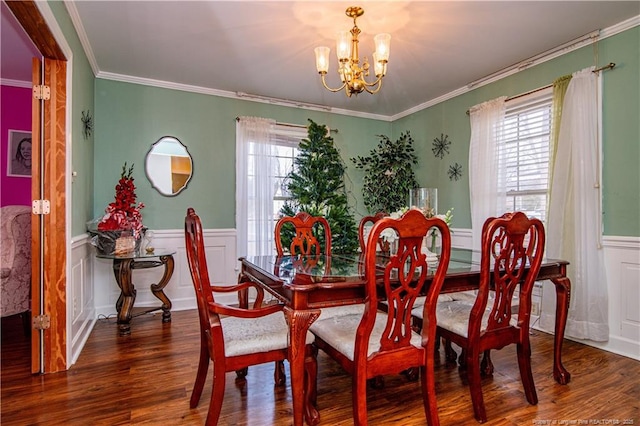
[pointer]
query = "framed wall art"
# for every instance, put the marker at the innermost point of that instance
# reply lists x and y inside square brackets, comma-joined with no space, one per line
[19,153]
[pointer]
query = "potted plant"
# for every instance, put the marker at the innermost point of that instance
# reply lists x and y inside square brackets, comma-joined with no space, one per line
[388,174]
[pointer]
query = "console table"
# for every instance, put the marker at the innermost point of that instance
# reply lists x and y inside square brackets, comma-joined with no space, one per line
[123,267]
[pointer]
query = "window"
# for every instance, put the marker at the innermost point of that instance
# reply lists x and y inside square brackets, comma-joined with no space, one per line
[265,154]
[526,134]
[286,151]
[285,148]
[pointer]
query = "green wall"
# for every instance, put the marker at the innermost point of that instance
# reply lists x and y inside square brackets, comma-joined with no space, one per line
[81,92]
[131,117]
[620,130]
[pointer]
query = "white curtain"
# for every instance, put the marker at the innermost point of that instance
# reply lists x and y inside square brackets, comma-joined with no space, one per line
[255,151]
[487,174]
[574,224]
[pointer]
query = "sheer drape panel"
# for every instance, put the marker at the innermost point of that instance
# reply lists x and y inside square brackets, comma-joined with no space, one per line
[487,176]
[254,189]
[574,221]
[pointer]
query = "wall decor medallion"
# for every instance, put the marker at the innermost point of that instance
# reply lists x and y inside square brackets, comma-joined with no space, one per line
[441,146]
[87,123]
[455,172]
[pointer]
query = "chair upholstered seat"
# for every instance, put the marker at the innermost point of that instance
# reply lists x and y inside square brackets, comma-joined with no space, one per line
[340,332]
[466,295]
[419,303]
[469,296]
[454,316]
[336,311]
[244,336]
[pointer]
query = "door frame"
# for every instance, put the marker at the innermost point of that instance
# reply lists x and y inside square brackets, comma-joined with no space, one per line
[49,232]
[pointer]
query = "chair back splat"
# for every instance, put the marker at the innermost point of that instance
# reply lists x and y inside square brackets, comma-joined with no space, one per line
[304,241]
[384,342]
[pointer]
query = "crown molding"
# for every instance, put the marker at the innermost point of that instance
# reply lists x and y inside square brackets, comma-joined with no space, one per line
[82,35]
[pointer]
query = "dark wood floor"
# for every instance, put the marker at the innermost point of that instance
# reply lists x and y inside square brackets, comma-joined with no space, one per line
[146,378]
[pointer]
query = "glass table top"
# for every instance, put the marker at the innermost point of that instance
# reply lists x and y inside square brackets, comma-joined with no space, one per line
[138,254]
[323,267]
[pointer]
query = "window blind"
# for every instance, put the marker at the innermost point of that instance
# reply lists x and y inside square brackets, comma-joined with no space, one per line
[524,145]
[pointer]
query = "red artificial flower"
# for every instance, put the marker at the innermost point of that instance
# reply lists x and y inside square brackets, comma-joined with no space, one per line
[123,213]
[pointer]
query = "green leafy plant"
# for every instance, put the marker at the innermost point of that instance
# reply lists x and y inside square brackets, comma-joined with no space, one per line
[388,174]
[316,185]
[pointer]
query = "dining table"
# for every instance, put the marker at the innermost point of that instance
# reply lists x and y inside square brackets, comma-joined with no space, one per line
[305,285]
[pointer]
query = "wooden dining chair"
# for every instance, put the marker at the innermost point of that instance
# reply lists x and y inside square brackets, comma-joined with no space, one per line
[303,237]
[512,252]
[233,338]
[303,231]
[377,343]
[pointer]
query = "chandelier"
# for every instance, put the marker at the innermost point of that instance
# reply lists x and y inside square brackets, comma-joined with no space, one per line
[352,74]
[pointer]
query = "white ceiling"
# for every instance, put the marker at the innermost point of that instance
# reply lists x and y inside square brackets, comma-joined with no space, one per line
[266,47]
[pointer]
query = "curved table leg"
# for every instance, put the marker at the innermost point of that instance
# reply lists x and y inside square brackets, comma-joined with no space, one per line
[122,272]
[157,289]
[563,295]
[299,322]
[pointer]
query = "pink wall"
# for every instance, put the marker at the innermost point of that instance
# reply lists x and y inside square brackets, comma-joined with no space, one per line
[15,104]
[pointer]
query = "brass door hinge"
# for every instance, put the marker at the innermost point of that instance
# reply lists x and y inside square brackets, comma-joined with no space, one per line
[41,322]
[40,91]
[40,207]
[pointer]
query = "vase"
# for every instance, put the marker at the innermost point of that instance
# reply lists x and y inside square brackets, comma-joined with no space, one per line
[434,238]
[425,200]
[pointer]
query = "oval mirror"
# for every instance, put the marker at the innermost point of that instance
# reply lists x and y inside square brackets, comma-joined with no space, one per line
[168,166]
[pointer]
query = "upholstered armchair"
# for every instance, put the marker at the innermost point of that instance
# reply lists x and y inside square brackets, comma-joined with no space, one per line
[16,262]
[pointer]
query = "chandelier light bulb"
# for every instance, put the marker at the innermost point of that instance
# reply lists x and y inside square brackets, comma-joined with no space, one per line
[343,45]
[322,59]
[382,41]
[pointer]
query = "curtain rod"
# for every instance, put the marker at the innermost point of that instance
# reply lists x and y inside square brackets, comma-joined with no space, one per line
[297,126]
[609,66]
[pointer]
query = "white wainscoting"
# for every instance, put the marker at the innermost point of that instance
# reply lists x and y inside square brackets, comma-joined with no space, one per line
[622,260]
[92,291]
[81,311]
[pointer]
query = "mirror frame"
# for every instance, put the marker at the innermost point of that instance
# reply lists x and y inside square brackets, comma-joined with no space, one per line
[146,166]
